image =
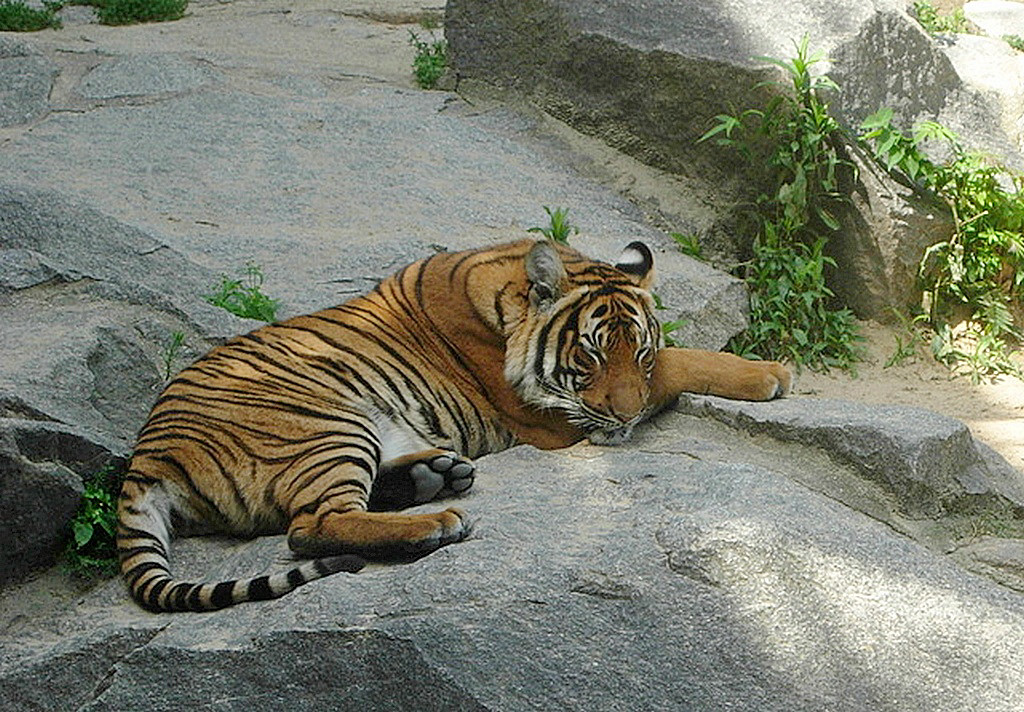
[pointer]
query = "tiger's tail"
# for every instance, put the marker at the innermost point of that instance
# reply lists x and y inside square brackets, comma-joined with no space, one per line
[142,546]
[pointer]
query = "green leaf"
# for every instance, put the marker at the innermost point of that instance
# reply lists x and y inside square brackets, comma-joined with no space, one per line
[880,119]
[82,531]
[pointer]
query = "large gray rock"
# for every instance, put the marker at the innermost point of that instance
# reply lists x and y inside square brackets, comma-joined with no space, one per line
[996,18]
[884,233]
[144,75]
[892,62]
[682,571]
[649,79]
[691,569]
[36,490]
[89,308]
[167,164]
[924,464]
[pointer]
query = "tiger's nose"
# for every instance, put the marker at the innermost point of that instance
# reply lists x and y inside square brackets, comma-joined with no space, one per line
[625,402]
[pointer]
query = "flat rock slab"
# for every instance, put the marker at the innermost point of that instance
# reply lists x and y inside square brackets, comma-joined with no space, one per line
[161,157]
[145,75]
[675,573]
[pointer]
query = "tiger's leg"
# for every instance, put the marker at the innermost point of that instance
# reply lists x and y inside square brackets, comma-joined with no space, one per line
[721,374]
[327,506]
[420,477]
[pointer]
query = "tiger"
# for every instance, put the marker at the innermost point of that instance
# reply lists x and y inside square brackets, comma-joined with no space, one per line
[324,427]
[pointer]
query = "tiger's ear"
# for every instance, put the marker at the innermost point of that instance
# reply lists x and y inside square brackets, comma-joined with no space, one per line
[546,274]
[638,262]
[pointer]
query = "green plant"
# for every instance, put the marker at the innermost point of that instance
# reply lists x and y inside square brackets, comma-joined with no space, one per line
[1015,41]
[934,23]
[91,550]
[243,297]
[16,16]
[668,328]
[127,12]
[688,244]
[559,228]
[977,275]
[171,352]
[798,140]
[430,60]
[790,319]
[895,150]
[910,330]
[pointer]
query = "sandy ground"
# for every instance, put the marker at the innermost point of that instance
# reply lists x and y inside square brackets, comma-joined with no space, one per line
[993,411]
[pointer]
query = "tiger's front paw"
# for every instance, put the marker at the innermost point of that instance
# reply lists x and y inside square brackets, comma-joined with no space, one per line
[775,380]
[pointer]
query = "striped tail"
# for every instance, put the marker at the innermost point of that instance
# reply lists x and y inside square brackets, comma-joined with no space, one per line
[144,566]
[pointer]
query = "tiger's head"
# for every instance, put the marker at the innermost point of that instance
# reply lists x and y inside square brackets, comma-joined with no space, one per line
[588,341]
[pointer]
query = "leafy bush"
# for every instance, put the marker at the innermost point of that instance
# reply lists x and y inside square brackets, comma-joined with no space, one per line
[559,228]
[790,317]
[16,16]
[243,297]
[430,61]
[980,269]
[91,550]
[798,140]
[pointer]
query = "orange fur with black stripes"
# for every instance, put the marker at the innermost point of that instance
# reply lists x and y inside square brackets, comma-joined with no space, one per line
[322,425]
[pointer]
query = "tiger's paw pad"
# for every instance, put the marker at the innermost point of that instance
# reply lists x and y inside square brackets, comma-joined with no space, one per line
[448,473]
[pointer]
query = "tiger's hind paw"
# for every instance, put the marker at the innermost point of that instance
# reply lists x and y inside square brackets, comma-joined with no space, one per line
[421,477]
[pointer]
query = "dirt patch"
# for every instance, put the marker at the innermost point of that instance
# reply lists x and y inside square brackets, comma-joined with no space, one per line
[993,411]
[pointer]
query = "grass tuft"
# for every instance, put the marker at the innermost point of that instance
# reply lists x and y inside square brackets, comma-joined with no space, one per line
[16,16]
[243,297]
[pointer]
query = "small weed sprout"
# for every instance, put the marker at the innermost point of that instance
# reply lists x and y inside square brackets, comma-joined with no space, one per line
[242,297]
[430,61]
[171,353]
[910,339]
[91,550]
[559,228]
[16,16]
[688,244]
[668,328]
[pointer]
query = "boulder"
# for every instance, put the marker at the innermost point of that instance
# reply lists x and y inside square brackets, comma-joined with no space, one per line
[689,568]
[892,62]
[90,306]
[649,80]
[884,232]
[165,166]
[38,495]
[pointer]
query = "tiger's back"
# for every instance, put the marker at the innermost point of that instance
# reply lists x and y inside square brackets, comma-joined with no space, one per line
[307,425]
